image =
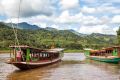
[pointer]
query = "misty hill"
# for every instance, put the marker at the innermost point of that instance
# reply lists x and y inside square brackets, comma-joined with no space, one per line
[25,25]
[77,33]
[99,34]
[50,29]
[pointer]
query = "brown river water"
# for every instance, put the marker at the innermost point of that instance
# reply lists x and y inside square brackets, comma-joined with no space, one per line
[73,66]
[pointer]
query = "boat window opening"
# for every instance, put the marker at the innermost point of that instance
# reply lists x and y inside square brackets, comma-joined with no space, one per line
[45,55]
[40,54]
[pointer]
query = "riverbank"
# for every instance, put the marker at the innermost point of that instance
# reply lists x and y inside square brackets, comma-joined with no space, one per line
[4,51]
[73,51]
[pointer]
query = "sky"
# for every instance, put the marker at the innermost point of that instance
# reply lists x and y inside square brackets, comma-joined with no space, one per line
[84,16]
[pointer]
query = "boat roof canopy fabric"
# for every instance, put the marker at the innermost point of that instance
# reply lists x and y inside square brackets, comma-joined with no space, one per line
[37,50]
[21,46]
[110,48]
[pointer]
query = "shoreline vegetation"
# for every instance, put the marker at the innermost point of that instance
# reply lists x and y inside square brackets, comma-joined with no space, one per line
[65,51]
[4,51]
[73,51]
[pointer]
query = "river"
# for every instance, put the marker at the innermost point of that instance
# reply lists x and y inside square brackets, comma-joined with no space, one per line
[73,66]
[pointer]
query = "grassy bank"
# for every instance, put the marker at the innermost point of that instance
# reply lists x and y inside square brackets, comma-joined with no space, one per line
[73,51]
[4,51]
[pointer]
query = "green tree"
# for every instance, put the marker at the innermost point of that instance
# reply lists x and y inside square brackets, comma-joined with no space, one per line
[118,35]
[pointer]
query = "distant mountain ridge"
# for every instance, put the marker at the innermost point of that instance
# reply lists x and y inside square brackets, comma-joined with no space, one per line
[77,33]
[64,38]
[24,25]
[50,29]
[99,34]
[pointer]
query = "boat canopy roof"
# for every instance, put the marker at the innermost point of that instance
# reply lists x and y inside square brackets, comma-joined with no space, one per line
[20,46]
[109,48]
[94,51]
[23,47]
[55,50]
[116,46]
[88,49]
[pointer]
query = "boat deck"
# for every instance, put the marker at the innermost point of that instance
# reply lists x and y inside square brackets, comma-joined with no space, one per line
[108,57]
[31,65]
[38,62]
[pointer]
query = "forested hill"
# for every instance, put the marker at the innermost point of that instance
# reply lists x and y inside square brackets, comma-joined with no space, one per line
[45,37]
[24,25]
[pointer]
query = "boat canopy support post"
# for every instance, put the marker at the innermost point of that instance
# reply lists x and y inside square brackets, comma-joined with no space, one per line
[87,52]
[119,52]
[28,55]
[115,53]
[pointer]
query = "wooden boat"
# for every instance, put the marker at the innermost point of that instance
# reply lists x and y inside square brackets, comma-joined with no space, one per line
[110,59]
[25,57]
[109,55]
[33,57]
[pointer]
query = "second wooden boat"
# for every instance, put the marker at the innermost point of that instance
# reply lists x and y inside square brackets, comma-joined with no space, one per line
[109,55]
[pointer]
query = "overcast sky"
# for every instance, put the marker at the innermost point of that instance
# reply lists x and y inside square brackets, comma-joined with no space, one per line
[84,16]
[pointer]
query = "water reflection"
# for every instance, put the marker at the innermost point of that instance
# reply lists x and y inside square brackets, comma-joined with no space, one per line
[73,67]
[109,67]
[33,74]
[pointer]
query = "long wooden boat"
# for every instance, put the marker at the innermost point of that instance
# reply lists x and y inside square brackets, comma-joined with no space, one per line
[32,57]
[109,55]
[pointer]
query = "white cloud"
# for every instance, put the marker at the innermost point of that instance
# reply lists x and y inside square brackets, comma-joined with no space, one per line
[32,20]
[90,29]
[67,4]
[65,17]
[55,26]
[116,19]
[43,25]
[90,1]
[108,9]
[28,7]
[88,24]
[86,9]
[114,1]
[115,29]
[1,10]
[15,20]
[105,20]
[89,18]
[104,29]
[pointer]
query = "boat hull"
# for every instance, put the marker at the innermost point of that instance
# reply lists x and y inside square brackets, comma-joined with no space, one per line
[31,65]
[107,60]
